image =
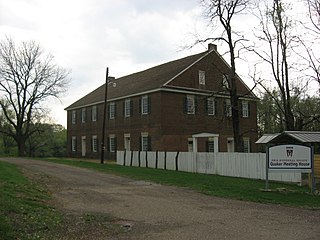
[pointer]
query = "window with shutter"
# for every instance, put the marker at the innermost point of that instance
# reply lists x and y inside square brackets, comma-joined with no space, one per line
[127,108]
[94,114]
[211,106]
[74,144]
[246,145]
[94,143]
[202,77]
[145,106]
[74,117]
[112,143]
[83,115]
[245,109]
[112,110]
[145,142]
[227,108]
[190,104]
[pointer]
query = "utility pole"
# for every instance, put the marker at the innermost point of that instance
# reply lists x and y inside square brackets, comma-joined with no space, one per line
[103,147]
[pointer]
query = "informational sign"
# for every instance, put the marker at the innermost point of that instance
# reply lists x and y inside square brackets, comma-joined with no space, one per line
[290,157]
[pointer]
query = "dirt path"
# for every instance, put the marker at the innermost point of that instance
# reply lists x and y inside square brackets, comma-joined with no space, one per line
[153,211]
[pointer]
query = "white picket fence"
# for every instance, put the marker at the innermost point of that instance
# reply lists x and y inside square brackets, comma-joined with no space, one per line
[245,165]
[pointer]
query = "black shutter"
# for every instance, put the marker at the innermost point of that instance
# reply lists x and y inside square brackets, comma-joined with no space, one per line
[249,109]
[206,107]
[140,143]
[149,104]
[115,109]
[225,107]
[207,146]
[185,105]
[115,144]
[196,105]
[124,108]
[140,107]
[131,107]
[242,108]
[108,110]
[215,107]
[149,143]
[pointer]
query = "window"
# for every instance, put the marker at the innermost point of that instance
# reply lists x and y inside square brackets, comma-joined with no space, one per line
[225,81]
[145,105]
[211,145]
[74,117]
[211,109]
[112,110]
[246,145]
[190,144]
[227,108]
[202,77]
[145,142]
[74,144]
[127,108]
[94,114]
[245,109]
[83,115]
[112,143]
[190,104]
[94,144]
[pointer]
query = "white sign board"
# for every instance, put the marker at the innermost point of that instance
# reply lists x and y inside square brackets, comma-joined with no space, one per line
[290,157]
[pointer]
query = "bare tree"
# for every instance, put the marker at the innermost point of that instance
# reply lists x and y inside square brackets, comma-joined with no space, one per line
[224,12]
[28,77]
[279,42]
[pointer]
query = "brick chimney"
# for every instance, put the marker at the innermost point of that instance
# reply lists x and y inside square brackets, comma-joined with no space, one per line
[212,46]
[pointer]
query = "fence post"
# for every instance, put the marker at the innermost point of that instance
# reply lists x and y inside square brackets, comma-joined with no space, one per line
[131,159]
[124,157]
[146,159]
[177,156]
[139,159]
[156,159]
[165,160]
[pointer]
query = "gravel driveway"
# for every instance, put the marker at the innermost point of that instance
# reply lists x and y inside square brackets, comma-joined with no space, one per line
[153,211]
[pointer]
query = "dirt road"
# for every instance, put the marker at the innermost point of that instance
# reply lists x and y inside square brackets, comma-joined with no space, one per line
[153,211]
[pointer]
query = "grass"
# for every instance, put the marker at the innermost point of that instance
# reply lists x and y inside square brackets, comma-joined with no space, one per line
[221,186]
[24,213]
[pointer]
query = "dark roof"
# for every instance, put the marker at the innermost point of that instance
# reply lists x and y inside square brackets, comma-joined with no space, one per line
[299,136]
[147,80]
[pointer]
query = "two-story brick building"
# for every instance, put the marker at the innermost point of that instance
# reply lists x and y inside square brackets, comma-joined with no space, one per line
[182,105]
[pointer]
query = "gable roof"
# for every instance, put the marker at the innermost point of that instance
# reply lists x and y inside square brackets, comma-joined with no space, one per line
[142,82]
[300,136]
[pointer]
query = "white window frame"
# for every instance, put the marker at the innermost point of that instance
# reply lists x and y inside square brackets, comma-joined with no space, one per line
[246,145]
[112,143]
[245,109]
[144,105]
[211,144]
[202,77]
[112,110]
[83,115]
[144,141]
[73,143]
[225,81]
[191,109]
[94,143]
[94,113]
[211,106]
[127,108]
[74,117]
[228,110]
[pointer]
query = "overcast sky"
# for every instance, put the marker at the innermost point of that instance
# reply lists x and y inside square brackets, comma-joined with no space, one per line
[86,36]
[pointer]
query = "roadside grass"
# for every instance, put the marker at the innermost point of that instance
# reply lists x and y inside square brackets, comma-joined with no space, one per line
[221,186]
[26,214]
[23,211]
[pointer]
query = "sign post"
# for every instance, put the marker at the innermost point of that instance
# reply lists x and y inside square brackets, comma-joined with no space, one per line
[289,158]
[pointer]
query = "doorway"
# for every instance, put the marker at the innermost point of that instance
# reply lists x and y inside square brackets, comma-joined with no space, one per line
[127,142]
[83,146]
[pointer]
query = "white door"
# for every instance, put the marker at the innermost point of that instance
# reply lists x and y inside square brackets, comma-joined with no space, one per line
[127,142]
[230,145]
[83,146]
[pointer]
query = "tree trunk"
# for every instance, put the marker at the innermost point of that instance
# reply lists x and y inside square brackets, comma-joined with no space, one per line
[21,142]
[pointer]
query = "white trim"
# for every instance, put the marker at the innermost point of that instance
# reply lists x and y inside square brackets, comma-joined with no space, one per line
[184,70]
[175,89]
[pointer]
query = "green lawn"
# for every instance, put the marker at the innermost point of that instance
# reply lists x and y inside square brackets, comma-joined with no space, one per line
[228,187]
[24,213]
